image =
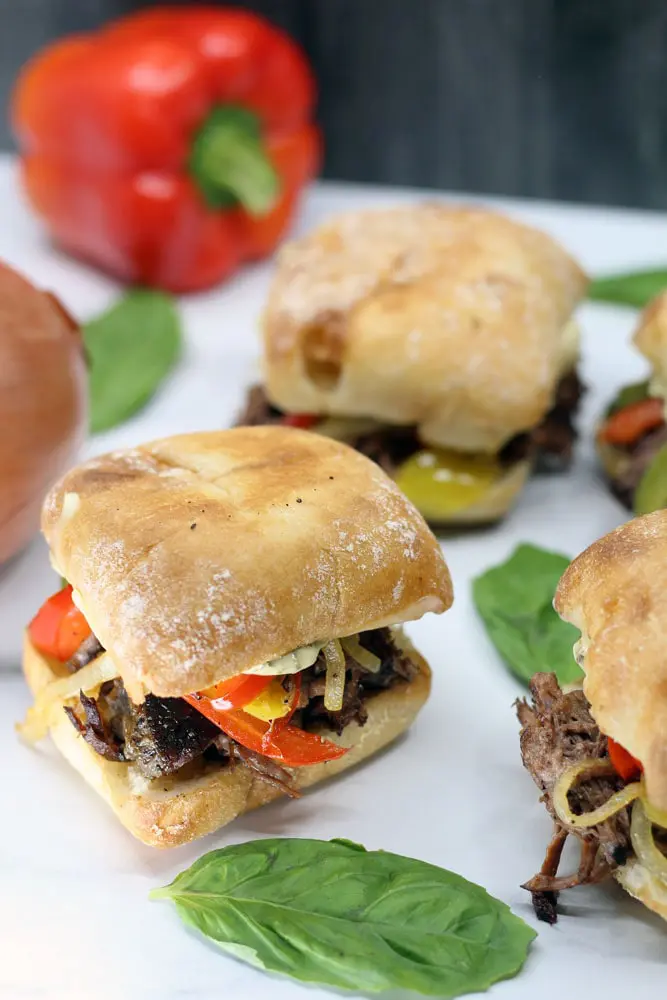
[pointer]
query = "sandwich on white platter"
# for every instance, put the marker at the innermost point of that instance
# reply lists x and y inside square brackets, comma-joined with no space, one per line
[229,629]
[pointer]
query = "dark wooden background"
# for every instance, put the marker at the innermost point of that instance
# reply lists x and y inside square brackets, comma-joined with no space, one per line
[548,98]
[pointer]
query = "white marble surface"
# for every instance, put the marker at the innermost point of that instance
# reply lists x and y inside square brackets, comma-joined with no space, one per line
[75,921]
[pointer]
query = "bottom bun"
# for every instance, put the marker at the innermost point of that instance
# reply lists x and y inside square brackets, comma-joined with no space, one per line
[639,882]
[176,810]
[495,504]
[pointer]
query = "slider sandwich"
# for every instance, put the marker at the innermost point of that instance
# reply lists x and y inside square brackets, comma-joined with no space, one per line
[229,631]
[438,341]
[632,437]
[599,755]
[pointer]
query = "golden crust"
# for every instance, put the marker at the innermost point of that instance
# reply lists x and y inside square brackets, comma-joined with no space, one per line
[616,594]
[649,890]
[448,318]
[297,538]
[651,335]
[191,809]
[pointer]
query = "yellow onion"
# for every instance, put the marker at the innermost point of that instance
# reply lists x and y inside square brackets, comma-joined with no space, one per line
[369,661]
[643,844]
[595,768]
[57,692]
[334,683]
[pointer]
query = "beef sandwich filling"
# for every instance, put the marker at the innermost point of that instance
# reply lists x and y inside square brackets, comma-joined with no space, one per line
[165,737]
[631,437]
[593,790]
[549,445]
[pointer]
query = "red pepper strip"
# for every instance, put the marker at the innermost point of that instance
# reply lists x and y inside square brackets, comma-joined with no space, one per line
[627,766]
[59,628]
[627,425]
[291,746]
[237,691]
[303,420]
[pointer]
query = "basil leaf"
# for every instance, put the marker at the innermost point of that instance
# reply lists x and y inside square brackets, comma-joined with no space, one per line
[514,601]
[131,349]
[651,494]
[331,912]
[635,393]
[636,288]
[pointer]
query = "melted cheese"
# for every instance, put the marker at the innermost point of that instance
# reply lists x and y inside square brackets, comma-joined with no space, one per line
[290,663]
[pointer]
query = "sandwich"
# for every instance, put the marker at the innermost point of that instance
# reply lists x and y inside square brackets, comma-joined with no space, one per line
[230,630]
[599,755]
[439,341]
[632,437]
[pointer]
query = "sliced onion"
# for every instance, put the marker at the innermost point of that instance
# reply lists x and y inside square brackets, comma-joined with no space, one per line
[594,767]
[369,661]
[657,816]
[334,683]
[644,846]
[57,692]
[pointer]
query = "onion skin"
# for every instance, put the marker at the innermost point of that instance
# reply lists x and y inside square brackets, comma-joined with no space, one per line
[43,403]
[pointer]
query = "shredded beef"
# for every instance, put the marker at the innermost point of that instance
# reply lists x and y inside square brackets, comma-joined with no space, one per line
[388,448]
[266,768]
[359,683]
[258,410]
[549,445]
[96,730]
[557,731]
[636,459]
[87,651]
[163,735]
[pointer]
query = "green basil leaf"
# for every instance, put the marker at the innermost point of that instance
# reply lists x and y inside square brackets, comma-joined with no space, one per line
[330,912]
[131,349]
[634,289]
[651,494]
[635,393]
[514,601]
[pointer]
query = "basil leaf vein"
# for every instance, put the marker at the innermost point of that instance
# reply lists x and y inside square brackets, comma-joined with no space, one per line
[131,349]
[333,913]
[514,601]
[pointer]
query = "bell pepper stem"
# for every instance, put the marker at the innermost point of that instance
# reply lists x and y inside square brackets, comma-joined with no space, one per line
[229,164]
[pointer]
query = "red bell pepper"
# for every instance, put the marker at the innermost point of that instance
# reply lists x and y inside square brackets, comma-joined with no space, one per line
[59,628]
[625,765]
[303,420]
[237,692]
[290,745]
[284,720]
[629,424]
[170,146]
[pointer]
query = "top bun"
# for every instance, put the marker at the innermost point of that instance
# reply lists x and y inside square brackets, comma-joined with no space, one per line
[451,319]
[616,593]
[199,556]
[651,336]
